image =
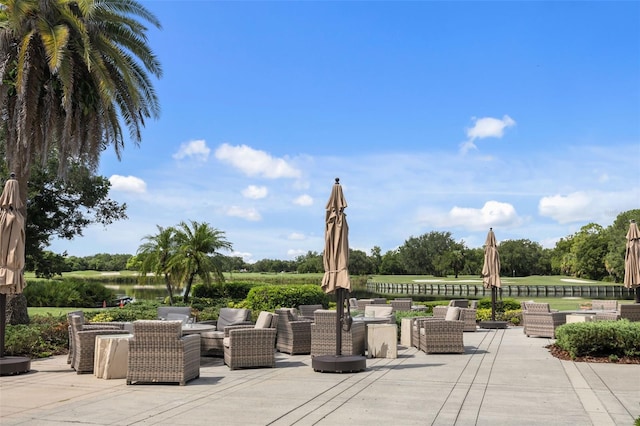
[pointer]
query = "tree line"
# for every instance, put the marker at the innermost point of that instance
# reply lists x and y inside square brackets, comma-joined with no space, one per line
[594,252]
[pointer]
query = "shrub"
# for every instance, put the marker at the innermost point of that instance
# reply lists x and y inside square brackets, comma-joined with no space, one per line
[600,338]
[67,293]
[237,290]
[268,298]
[43,337]
[503,305]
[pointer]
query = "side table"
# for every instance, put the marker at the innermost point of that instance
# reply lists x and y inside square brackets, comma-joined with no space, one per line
[405,332]
[382,341]
[110,357]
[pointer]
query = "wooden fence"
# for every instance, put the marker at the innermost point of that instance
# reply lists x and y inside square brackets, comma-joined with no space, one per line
[478,290]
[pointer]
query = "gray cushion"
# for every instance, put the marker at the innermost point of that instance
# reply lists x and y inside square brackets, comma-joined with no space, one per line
[264,320]
[229,316]
[453,313]
[178,317]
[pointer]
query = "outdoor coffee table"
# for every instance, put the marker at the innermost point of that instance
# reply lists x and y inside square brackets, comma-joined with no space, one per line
[197,328]
[580,317]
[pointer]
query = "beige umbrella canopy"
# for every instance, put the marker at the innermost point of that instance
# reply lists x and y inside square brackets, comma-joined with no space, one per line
[12,240]
[632,259]
[336,243]
[491,267]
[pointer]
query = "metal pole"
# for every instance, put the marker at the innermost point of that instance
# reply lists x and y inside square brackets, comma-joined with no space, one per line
[340,314]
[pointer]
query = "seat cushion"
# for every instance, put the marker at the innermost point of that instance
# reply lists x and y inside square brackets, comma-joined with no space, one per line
[453,313]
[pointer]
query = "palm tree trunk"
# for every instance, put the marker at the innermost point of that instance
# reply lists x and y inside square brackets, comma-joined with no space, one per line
[167,282]
[187,288]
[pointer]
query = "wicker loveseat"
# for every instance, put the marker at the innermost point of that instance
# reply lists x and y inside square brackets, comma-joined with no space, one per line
[323,335]
[625,311]
[158,353]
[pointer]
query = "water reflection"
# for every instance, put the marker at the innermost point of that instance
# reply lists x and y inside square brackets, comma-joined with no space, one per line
[139,292]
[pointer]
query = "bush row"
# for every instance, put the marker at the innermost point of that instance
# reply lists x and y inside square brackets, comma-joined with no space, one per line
[600,338]
[70,292]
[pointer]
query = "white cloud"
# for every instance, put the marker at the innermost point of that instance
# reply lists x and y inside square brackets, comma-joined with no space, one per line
[587,206]
[295,253]
[303,200]
[128,184]
[196,150]
[492,214]
[250,214]
[255,192]
[247,257]
[253,162]
[296,236]
[485,127]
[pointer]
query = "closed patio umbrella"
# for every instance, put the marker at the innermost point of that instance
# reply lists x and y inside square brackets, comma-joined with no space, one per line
[632,260]
[336,280]
[491,277]
[12,242]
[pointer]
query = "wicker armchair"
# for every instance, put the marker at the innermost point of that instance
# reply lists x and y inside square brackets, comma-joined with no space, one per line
[84,343]
[604,305]
[88,326]
[415,331]
[441,336]
[625,311]
[158,353]
[323,335]
[468,315]
[212,341]
[294,333]
[540,321]
[251,346]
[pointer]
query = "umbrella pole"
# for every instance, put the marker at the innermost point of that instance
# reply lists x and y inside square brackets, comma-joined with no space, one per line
[340,314]
[3,321]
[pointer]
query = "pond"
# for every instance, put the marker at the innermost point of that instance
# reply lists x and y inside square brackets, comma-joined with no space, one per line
[140,292]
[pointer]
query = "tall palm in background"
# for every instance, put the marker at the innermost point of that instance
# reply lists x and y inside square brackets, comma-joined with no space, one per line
[154,255]
[71,72]
[198,247]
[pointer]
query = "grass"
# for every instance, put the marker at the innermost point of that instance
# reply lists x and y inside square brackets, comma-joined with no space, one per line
[559,280]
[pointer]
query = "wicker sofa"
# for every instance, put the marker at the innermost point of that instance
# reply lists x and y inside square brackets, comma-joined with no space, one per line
[625,311]
[250,346]
[158,353]
[323,335]
[539,320]
[294,332]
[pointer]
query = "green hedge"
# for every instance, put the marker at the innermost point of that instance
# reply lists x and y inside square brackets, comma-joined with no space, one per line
[43,337]
[67,293]
[600,338]
[271,297]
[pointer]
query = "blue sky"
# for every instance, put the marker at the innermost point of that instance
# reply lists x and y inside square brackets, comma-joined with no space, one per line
[436,116]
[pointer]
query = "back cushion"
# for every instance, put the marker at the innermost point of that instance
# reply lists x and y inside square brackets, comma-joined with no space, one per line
[538,307]
[178,317]
[453,313]
[229,316]
[264,320]
[378,311]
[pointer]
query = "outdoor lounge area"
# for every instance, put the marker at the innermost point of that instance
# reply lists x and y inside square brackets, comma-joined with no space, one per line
[498,379]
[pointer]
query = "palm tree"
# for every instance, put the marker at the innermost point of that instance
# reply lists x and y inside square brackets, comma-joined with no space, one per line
[71,71]
[154,256]
[197,253]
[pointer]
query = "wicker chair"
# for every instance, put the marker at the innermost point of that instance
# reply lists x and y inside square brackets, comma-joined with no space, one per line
[441,336]
[540,321]
[415,331]
[625,311]
[294,333]
[323,335]
[158,353]
[212,341]
[401,304]
[306,311]
[248,346]
[88,326]
[84,343]
[604,305]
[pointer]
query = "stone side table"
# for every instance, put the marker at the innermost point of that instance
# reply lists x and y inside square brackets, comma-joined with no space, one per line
[382,341]
[405,332]
[110,357]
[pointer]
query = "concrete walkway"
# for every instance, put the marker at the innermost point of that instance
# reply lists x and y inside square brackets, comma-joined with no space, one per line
[504,378]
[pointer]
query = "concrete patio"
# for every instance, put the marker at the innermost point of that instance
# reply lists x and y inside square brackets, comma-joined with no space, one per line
[503,378]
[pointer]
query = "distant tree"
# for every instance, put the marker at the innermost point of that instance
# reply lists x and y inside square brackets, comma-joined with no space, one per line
[520,258]
[359,263]
[617,242]
[310,263]
[590,248]
[391,264]
[419,254]
[376,259]
[197,254]
[154,255]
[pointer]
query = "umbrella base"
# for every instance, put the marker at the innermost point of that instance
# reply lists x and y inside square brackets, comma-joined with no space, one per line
[493,324]
[14,365]
[339,363]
